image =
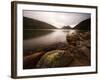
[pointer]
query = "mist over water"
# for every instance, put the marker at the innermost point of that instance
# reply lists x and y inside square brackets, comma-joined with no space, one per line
[53,37]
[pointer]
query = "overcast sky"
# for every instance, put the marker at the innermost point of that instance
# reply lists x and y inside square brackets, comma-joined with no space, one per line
[57,19]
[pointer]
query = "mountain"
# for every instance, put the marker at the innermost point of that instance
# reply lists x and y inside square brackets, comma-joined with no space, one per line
[84,25]
[66,27]
[29,23]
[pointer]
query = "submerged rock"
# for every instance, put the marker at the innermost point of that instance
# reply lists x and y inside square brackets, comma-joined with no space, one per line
[55,58]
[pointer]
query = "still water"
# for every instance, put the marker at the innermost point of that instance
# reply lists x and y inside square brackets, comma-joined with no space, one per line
[44,38]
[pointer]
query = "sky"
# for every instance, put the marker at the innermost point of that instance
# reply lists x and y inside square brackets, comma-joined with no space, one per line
[57,19]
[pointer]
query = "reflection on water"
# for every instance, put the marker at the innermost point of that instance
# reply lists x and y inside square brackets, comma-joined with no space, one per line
[50,37]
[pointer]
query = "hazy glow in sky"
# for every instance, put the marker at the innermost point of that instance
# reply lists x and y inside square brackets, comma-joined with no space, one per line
[57,19]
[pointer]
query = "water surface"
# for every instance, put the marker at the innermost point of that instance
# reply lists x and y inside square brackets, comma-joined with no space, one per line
[43,38]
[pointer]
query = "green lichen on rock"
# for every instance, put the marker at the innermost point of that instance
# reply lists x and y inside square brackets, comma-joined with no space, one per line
[55,58]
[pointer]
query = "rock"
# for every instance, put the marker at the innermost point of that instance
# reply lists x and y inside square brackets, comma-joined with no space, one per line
[86,36]
[80,38]
[79,45]
[85,52]
[55,58]
[31,60]
[72,39]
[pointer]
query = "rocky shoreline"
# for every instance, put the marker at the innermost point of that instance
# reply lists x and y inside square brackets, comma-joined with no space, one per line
[75,52]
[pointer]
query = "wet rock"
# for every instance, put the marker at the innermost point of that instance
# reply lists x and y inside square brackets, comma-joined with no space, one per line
[85,52]
[86,36]
[55,58]
[79,39]
[79,45]
[31,60]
